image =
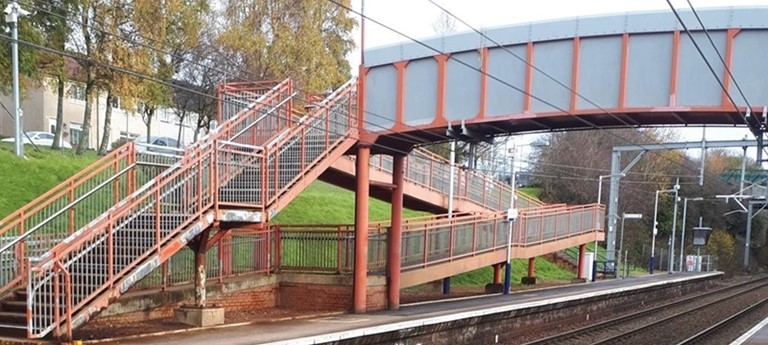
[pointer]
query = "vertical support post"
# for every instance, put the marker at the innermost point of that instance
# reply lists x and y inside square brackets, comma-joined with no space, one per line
[396,232]
[200,246]
[671,266]
[497,274]
[447,286]
[749,236]
[582,254]
[531,267]
[361,229]
[613,207]
[682,235]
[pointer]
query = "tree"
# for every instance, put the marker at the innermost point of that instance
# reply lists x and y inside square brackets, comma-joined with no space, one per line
[53,17]
[305,40]
[174,25]
[722,246]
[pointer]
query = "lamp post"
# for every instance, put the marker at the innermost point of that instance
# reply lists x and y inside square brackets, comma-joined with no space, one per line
[655,223]
[621,241]
[599,198]
[12,13]
[511,217]
[682,237]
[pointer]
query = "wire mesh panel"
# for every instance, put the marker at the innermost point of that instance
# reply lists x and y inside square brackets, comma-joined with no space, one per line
[316,249]
[293,153]
[237,98]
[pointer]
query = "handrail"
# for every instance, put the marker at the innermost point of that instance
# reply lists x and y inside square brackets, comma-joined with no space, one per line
[64,209]
[62,188]
[169,188]
[59,204]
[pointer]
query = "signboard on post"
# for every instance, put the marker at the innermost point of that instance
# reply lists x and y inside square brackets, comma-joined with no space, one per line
[701,236]
[633,216]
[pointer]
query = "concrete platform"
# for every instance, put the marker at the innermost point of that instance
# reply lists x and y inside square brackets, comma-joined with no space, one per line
[410,317]
[758,335]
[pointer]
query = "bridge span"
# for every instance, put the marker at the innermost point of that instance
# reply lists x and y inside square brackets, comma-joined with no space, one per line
[626,70]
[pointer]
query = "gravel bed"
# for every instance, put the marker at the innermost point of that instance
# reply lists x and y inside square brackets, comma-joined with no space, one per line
[734,330]
[529,337]
[682,327]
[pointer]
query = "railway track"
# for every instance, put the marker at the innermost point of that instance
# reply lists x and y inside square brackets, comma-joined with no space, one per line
[669,323]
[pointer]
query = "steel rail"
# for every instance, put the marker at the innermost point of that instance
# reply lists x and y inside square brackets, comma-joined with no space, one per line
[560,338]
[696,338]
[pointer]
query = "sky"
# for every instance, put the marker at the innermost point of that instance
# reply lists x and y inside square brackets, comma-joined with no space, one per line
[417,17]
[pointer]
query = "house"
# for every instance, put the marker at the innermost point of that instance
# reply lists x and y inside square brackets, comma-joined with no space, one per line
[39,105]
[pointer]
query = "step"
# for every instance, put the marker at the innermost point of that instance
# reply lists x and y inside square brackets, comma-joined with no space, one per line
[7,317]
[14,306]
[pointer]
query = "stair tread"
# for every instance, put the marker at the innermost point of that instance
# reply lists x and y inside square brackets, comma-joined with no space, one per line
[14,326]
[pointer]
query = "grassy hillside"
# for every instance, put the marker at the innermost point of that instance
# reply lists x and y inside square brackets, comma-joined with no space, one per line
[322,203]
[22,180]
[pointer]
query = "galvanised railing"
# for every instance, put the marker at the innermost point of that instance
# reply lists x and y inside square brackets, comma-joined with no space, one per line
[36,227]
[237,97]
[433,172]
[329,248]
[145,220]
[265,176]
[103,259]
[242,251]
[452,239]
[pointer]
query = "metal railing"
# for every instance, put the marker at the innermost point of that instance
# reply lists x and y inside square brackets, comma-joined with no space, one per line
[433,172]
[36,227]
[133,232]
[262,175]
[329,248]
[129,240]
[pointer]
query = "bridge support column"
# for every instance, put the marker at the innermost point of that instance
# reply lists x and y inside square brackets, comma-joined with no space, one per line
[497,273]
[361,229]
[200,246]
[395,232]
[531,267]
[582,253]
[447,286]
[531,278]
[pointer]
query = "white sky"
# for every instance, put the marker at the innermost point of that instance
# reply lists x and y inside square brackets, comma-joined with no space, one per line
[416,18]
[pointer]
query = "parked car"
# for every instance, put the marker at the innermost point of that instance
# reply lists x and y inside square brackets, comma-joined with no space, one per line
[43,139]
[156,144]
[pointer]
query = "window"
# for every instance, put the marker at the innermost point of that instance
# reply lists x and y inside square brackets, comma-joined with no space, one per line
[160,142]
[116,102]
[52,125]
[77,92]
[128,135]
[75,131]
[163,115]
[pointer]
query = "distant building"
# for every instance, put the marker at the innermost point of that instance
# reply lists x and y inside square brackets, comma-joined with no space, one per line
[39,106]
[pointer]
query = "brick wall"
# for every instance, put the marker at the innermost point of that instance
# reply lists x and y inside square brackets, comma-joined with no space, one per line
[304,292]
[242,293]
[314,297]
[328,292]
[249,299]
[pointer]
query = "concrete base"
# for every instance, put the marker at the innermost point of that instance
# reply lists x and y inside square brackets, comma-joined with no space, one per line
[578,280]
[494,288]
[199,317]
[528,280]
